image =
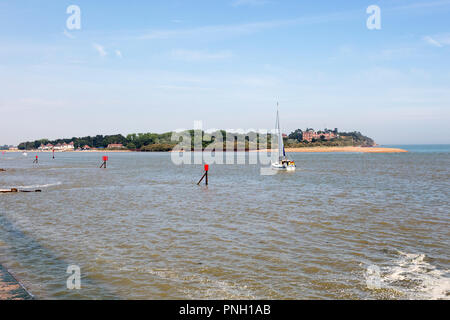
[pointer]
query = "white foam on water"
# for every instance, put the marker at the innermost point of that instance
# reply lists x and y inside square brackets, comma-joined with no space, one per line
[206,288]
[38,186]
[414,277]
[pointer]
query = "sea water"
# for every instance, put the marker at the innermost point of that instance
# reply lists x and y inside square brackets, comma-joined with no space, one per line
[343,226]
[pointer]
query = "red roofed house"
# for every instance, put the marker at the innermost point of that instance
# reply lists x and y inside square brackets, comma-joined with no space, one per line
[311,134]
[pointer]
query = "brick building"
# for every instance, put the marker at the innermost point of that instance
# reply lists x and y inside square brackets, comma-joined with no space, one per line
[309,135]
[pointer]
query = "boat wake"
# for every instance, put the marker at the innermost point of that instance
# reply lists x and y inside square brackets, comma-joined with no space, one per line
[412,276]
[199,287]
[40,186]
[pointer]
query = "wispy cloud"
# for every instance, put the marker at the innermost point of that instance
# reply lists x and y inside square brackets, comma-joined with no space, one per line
[244,28]
[100,49]
[256,81]
[190,55]
[395,53]
[210,30]
[439,40]
[76,61]
[31,103]
[422,5]
[119,54]
[254,27]
[238,3]
[68,34]
[432,41]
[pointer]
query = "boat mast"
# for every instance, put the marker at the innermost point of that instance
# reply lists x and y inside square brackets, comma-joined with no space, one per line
[280,137]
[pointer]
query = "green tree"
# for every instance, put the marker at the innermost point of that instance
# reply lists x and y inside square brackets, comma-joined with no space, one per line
[296,135]
[131,146]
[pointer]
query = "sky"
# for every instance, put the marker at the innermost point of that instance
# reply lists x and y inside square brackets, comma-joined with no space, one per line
[158,66]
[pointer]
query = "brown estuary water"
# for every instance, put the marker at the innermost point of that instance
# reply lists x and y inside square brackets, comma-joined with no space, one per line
[343,226]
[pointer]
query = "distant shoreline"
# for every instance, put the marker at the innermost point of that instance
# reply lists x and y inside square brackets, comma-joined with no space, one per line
[75,151]
[348,149]
[292,150]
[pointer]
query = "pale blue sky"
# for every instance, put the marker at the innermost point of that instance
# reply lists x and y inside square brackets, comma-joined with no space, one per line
[140,66]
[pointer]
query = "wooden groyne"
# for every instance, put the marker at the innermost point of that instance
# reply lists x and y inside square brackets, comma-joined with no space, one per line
[10,288]
[14,190]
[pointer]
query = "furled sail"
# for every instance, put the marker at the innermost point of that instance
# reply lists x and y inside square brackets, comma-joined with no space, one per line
[281,151]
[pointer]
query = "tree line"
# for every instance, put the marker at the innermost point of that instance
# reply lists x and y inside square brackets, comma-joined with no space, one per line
[163,142]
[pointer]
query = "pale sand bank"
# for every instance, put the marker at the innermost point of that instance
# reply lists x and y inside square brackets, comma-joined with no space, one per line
[77,151]
[347,149]
[311,149]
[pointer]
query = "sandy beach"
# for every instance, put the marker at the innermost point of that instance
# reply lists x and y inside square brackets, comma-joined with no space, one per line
[312,149]
[347,149]
[77,151]
[341,149]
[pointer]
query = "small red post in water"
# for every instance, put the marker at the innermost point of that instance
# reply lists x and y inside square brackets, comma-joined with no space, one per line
[105,159]
[205,175]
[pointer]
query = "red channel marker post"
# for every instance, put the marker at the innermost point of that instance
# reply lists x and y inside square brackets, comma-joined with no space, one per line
[205,175]
[105,160]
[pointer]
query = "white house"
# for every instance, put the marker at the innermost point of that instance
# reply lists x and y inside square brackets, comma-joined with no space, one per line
[58,147]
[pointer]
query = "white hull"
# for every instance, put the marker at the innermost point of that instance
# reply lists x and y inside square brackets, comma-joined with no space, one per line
[283,166]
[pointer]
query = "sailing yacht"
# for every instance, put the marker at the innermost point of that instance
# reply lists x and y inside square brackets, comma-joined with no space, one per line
[283,162]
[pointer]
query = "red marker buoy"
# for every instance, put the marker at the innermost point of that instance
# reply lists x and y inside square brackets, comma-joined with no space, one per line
[36,160]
